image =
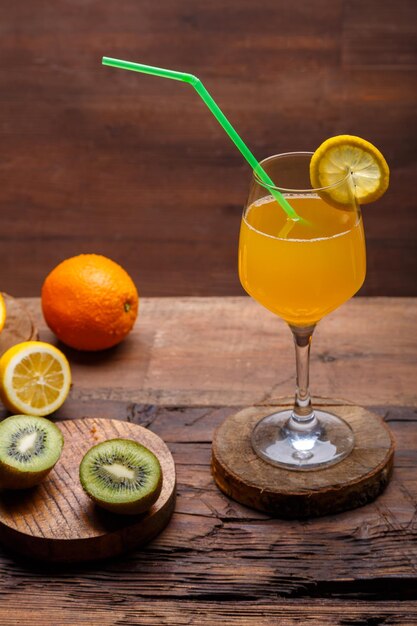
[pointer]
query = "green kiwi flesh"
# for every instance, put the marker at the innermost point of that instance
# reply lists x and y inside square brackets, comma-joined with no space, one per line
[121,476]
[29,448]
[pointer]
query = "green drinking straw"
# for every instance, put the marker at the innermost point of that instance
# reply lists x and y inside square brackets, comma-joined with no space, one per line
[218,114]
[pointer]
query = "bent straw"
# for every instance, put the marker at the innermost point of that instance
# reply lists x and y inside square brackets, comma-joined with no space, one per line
[218,114]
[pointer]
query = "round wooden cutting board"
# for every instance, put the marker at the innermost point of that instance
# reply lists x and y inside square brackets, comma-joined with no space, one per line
[356,480]
[56,520]
[19,325]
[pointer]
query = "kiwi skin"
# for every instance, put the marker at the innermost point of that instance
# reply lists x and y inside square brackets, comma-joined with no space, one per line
[14,478]
[141,505]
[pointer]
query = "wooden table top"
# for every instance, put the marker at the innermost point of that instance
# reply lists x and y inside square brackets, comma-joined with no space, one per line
[186,365]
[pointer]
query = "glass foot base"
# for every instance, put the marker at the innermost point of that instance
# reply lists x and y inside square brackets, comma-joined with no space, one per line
[328,442]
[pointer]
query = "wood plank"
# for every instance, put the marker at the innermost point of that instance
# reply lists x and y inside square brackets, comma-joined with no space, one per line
[371,34]
[202,613]
[163,267]
[232,352]
[137,169]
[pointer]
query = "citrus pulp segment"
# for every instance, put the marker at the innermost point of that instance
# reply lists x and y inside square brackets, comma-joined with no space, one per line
[35,378]
[340,156]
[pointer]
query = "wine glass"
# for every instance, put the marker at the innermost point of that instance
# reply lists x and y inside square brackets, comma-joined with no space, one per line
[301,271]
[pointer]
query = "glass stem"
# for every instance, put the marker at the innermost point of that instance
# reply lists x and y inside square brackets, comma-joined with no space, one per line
[303,419]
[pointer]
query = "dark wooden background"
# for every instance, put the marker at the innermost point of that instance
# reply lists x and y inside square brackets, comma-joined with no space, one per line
[99,160]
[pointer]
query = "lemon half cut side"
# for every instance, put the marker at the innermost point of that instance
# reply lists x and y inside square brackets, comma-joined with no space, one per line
[338,156]
[35,378]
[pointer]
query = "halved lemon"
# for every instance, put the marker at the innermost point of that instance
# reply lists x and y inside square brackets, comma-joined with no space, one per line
[346,154]
[2,312]
[35,378]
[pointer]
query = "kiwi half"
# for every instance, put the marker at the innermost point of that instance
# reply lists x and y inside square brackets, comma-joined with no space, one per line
[29,448]
[122,476]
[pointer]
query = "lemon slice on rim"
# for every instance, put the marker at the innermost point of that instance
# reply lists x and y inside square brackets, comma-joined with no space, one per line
[344,154]
[2,312]
[35,378]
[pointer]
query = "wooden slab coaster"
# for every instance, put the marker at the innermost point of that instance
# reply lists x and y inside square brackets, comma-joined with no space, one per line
[19,325]
[356,480]
[56,520]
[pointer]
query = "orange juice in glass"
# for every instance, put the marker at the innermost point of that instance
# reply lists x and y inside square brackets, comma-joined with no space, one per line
[308,273]
[301,271]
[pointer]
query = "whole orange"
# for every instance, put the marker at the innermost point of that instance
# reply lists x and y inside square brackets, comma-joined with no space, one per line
[89,302]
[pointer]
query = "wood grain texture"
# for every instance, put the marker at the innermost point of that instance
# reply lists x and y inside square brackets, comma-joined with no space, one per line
[355,481]
[99,160]
[218,560]
[19,324]
[57,521]
[204,613]
[231,351]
